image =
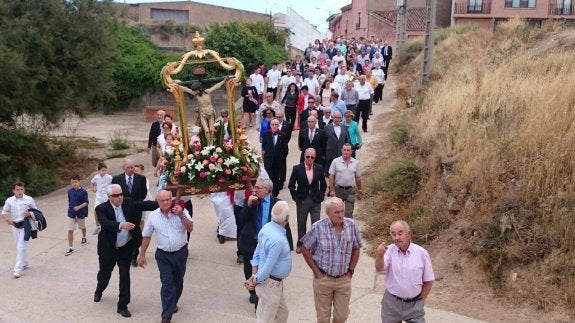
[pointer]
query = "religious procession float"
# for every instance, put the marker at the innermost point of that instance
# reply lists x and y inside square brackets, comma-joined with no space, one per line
[208,162]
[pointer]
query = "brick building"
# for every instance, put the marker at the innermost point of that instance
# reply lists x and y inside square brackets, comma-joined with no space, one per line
[364,18]
[488,14]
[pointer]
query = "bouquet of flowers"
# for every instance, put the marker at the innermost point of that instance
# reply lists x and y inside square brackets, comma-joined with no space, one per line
[213,164]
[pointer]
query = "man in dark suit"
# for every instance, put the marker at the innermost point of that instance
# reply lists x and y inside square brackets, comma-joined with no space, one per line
[285,126]
[155,131]
[387,54]
[120,222]
[275,150]
[335,135]
[311,106]
[133,186]
[255,213]
[307,187]
[311,139]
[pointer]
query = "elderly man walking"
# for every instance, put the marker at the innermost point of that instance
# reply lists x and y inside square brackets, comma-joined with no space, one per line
[307,188]
[271,265]
[335,242]
[408,276]
[345,179]
[171,225]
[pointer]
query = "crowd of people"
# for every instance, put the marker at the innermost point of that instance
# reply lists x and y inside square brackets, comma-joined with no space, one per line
[323,95]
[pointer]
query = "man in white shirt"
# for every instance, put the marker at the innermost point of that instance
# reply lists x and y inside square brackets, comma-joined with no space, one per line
[258,80]
[171,223]
[273,79]
[365,93]
[16,210]
[341,77]
[312,83]
[379,75]
[268,103]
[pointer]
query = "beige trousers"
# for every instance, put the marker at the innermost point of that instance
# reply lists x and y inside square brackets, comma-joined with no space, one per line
[271,305]
[330,292]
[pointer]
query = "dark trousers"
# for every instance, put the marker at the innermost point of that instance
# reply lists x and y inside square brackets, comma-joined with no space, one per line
[378,93]
[172,266]
[277,173]
[239,226]
[305,207]
[248,254]
[352,108]
[385,68]
[121,257]
[363,109]
[273,90]
[291,113]
[326,166]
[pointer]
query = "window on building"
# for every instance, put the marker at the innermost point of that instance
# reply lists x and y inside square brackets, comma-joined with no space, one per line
[520,3]
[358,20]
[564,7]
[169,14]
[475,6]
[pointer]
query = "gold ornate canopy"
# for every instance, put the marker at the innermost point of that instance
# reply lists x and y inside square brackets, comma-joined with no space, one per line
[199,57]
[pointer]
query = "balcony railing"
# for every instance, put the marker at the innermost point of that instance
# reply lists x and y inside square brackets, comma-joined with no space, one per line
[559,10]
[474,7]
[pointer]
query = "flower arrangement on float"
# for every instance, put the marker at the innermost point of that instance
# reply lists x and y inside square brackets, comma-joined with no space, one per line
[213,163]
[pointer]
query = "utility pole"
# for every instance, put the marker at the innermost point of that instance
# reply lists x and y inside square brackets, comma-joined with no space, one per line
[429,42]
[400,25]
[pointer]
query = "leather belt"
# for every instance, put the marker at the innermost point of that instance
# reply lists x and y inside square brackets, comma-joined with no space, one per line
[345,187]
[408,300]
[330,276]
[275,278]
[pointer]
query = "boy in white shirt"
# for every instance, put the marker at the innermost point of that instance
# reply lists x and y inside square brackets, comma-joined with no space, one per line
[99,183]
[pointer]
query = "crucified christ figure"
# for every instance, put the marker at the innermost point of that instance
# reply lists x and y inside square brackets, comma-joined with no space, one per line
[206,109]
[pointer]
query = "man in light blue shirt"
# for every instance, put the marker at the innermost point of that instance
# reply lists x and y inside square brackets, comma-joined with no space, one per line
[271,264]
[336,104]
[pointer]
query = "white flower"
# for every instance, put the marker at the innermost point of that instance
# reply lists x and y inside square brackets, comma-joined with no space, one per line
[183,169]
[218,168]
[191,176]
[190,157]
[199,166]
[219,150]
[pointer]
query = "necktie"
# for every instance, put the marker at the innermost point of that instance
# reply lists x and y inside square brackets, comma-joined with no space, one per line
[310,136]
[275,139]
[130,184]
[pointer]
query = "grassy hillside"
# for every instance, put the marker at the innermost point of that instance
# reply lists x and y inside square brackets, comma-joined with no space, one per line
[494,136]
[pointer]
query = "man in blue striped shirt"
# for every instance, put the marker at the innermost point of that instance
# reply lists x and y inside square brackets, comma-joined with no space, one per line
[336,242]
[271,264]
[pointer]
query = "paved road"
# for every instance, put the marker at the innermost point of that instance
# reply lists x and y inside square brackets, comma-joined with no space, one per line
[60,289]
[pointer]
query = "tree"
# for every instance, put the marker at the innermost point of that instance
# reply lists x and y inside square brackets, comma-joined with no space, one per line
[54,56]
[251,43]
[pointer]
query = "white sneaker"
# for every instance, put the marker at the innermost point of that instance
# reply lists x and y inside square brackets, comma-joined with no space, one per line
[69,252]
[96,230]
[17,274]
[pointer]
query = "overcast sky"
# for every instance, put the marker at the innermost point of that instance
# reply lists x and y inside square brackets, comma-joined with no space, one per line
[315,11]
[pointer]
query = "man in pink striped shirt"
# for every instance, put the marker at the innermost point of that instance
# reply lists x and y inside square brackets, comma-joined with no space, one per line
[408,276]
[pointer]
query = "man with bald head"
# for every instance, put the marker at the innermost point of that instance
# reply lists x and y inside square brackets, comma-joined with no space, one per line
[171,224]
[408,276]
[311,137]
[134,187]
[271,264]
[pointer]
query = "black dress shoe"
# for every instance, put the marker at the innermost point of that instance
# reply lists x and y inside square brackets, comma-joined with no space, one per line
[166,320]
[134,263]
[253,299]
[97,297]
[221,238]
[240,259]
[125,313]
[176,309]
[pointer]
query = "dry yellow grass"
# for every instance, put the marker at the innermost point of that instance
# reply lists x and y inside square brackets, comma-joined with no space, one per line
[508,119]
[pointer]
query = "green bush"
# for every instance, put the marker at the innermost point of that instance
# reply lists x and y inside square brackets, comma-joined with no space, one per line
[411,48]
[400,178]
[119,140]
[399,134]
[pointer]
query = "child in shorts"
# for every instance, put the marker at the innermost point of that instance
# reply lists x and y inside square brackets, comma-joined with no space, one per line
[77,212]
[99,183]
